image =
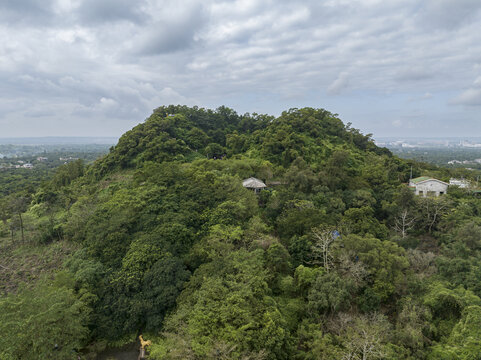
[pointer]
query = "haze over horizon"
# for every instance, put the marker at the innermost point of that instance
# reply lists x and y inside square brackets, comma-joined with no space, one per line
[99,67]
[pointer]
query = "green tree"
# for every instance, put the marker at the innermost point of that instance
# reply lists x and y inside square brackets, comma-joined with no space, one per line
[162,283]
[329,294]
[384,260]
[464,341]
[227,301]
[46,322]
[18,205]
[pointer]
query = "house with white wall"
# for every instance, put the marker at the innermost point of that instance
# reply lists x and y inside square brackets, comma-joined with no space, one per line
[427,186]
[461,183]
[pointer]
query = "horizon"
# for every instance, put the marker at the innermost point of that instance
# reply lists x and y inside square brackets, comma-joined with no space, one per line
[91,137]
[59,140]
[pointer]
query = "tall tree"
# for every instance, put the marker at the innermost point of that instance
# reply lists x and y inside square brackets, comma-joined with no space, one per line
[18,205]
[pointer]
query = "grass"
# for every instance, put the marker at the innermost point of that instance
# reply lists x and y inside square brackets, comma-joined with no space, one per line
[25,263]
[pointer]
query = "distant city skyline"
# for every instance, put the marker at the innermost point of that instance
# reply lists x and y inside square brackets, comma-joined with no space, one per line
[99,67]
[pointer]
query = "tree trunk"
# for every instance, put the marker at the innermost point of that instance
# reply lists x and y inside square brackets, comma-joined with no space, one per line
[21,227]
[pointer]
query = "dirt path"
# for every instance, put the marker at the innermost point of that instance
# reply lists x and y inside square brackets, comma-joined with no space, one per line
[127,352]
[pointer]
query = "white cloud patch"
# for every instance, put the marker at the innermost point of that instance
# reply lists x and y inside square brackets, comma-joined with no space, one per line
[106,103]
[471,96]
[338,85]
[171,96]
[397,123]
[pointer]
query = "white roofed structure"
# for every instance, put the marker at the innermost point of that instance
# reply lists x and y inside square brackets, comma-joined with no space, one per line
[461,183]
[253,183]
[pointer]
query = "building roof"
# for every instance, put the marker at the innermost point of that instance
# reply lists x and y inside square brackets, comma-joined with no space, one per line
[421,179]
[253,183]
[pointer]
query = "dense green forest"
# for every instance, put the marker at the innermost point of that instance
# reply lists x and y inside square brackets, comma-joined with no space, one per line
[43,161]
[335,259]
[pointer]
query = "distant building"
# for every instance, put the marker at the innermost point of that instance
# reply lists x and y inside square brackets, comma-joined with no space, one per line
[67,159]
[426,186]
[461,183]
[28,166]
[41,158]
[254,184]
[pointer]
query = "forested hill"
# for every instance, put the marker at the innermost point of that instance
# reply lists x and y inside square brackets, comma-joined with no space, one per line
[335,259]
[180,133]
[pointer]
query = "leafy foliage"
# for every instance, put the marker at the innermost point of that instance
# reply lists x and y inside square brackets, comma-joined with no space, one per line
[335,259]
[49,321]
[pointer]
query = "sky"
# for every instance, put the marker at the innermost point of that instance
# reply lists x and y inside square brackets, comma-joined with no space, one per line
[99,67]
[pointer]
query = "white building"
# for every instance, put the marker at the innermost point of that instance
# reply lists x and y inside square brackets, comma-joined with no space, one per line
[426,186]
[461,183]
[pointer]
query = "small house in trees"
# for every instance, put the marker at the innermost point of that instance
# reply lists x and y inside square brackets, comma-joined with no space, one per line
[254,184]
[461,183]
[426,186]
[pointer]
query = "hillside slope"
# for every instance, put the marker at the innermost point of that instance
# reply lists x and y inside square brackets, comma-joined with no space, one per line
[313,267]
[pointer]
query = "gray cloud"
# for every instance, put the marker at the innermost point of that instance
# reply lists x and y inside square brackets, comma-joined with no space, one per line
[169,32]
[105,11]
[449,14]
[26,12]
[106,64]
[414,73]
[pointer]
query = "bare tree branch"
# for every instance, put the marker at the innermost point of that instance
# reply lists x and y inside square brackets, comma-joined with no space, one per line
[404,222]
[321,250]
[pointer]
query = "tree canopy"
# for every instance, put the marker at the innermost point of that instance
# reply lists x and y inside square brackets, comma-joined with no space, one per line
[335,259]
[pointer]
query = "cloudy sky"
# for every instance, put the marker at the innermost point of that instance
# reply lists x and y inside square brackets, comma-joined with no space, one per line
[99,67]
